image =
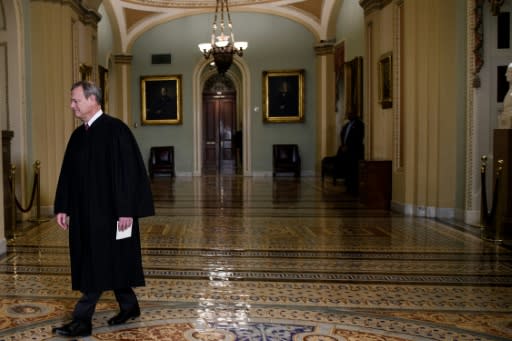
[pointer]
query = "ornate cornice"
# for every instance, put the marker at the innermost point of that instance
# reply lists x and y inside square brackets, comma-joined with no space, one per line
[324,48]
[122,58]
[370,6]
[87,16]
[478,41]
[496,6]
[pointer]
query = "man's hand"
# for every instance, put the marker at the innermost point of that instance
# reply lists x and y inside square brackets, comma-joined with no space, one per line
[62,220]
[124,223]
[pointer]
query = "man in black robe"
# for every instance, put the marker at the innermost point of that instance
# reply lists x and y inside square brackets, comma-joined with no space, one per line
[351,151]
[103,187]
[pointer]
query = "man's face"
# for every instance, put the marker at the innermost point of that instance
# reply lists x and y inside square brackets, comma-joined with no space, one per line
[83,108]
[351,115]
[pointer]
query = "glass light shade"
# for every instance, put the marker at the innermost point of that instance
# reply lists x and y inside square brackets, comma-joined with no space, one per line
[241,45]
[205,46]
[221,43]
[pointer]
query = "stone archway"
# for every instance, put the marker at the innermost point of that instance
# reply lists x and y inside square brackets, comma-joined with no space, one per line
[12,98]
[240,76]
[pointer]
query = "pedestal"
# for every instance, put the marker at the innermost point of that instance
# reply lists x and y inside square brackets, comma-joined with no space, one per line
[501,229]
[7,136]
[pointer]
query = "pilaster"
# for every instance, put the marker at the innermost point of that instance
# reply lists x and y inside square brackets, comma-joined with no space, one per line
[63,37]
[325,104]
[120,91]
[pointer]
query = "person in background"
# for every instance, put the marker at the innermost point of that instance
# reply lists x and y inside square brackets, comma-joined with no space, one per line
[103,188]
[505,118]
[351,151]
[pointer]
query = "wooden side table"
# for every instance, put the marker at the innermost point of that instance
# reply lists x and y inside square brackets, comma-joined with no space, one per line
[503,151]
[375,183]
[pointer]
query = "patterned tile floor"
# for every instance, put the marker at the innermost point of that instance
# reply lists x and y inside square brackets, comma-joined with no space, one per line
[234,258]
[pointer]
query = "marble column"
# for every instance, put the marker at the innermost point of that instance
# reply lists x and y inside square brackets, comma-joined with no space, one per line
[325,104]
[120,88]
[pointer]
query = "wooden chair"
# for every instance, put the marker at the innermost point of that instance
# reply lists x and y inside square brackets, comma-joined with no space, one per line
[161,161]
[286,159]
[332,166]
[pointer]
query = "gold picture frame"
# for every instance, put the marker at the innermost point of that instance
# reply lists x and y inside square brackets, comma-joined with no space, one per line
[103,84]
[386,81]
[161,100]
[283,96]
[353,87]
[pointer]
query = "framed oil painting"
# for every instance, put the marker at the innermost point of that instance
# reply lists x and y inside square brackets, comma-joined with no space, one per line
[103,83]
[353,87]
[161,100]
[283,96]
[386,81]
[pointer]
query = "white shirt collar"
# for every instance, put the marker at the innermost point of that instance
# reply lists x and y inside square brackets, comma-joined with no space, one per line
[94,118]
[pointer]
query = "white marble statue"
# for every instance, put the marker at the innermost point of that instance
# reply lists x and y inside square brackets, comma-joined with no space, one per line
[505,119]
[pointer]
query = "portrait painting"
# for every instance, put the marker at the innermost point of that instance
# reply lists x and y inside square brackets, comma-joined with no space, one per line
[161,101]
[103,83]
[353,87]
[283,96]
[386,81]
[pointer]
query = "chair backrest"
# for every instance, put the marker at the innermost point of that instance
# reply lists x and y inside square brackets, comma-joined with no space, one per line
[286,152]
[161,155]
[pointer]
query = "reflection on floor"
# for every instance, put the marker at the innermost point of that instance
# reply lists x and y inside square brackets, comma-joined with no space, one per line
[234,258]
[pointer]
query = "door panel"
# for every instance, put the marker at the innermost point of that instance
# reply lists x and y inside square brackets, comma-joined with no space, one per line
[210,138]
[226,125]
[219,127]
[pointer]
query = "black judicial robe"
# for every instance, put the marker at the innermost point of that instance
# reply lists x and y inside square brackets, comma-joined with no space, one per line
[354,140]
[103,178]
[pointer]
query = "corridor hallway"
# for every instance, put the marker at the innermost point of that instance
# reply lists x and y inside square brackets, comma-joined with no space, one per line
[257,258]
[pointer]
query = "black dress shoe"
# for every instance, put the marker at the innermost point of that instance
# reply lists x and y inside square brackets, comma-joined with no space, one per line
[74,328]
[123,316]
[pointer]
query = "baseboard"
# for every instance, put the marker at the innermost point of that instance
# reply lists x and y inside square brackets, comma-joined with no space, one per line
[306,173]
[185,174]
[472,217]
[3,246]
[422,211]
[460,214]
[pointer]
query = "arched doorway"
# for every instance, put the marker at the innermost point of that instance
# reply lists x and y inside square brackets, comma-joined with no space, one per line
[221,136]
[12,110]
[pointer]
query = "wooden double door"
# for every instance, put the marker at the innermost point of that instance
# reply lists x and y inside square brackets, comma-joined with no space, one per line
[219,126]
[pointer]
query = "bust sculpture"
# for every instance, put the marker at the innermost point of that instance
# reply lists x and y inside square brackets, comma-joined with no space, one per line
[505,119]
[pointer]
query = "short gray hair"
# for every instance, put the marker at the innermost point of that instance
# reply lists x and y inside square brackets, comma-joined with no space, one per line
[89,89]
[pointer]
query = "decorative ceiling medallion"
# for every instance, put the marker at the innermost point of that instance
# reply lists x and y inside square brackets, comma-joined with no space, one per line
[194,3]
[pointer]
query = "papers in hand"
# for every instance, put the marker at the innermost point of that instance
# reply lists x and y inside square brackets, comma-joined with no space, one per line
[127,233]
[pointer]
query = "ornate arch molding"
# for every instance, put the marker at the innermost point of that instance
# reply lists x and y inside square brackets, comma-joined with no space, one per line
[240,81]
[478,33]
[496,6]
[3,23]
[370,6]
[474,17]
[87,15]
[217,83]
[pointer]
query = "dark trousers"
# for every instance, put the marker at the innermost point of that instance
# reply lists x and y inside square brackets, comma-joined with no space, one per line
[84,308]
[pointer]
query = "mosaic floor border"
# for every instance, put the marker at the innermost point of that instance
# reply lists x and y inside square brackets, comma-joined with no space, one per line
[339,295]
[266,323]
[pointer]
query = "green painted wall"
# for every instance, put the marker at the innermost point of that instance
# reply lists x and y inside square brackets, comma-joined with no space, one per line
[350,28]
[275,43]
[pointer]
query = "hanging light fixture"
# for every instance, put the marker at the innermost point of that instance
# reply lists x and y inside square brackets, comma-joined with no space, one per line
[495,6]
[223,45]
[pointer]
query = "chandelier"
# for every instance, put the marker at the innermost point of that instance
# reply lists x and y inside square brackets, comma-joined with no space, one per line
[223,45]
[495,6]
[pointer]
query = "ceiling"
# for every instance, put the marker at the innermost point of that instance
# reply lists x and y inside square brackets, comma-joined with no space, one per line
[134,17]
